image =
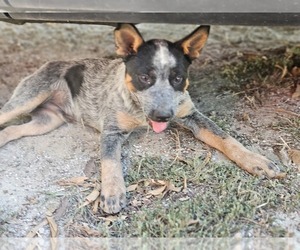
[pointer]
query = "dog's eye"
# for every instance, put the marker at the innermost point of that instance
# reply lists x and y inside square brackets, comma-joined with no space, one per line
[145,79]
[177,80]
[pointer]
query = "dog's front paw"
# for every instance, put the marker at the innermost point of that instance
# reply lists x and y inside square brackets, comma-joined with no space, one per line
[113,196]
[259,165]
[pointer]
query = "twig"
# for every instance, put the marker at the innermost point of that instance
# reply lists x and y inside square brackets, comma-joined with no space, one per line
[286,112]
[284,143]
[245,91]
[178,146]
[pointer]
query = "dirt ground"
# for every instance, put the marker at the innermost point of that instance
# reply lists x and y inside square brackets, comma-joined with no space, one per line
[264,117]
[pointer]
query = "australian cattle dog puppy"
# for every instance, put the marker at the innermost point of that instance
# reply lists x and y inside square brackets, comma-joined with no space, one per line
[147,86]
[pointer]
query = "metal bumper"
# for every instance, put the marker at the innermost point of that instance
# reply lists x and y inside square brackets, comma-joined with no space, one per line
[229,12]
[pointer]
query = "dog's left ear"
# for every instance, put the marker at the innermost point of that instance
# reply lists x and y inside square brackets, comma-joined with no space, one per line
[194,42]
[127,39]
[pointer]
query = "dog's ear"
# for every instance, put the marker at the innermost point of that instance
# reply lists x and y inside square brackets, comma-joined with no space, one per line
[127,39]
[194,42]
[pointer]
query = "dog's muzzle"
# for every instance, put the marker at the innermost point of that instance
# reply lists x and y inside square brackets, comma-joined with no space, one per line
[159,119]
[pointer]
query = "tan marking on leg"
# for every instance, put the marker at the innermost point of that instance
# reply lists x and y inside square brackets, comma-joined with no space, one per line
[129,84]
[253,163]
[34,127]
[127,122]
[113,190]
[185,109]
[25,108]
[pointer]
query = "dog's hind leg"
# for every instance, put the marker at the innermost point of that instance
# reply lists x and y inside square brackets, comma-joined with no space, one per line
[31,92]
[43,121]
[19,105]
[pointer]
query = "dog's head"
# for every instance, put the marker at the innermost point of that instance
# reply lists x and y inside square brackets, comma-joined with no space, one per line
[157,70]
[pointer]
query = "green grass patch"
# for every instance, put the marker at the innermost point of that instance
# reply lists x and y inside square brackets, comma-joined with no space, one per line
[219,201]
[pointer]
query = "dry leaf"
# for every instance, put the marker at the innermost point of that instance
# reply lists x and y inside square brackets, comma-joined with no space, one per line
[109,219]
[284,72]
[85,231]
[33,232]
[157,191]
[147,183]
[171,187]
[192,222]
[91,232]
[91,197]
[136,203]
[283,156]
[296,93]
[145,201]
[72,181]
[53,226]
[246,117]
[132,187]
[148,196]
[113,218]
[207,158]
[153,182]
[295,156]
[159,182]
[161,187]
[96,205]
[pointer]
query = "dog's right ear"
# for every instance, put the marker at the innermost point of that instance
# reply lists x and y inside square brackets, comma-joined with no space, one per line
[127,39]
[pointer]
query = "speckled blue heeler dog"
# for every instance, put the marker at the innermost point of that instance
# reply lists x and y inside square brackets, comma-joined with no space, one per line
[147,87]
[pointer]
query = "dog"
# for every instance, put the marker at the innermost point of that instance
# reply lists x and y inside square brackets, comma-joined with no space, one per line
[146,86]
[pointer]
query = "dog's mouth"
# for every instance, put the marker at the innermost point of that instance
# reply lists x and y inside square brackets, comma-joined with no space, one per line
[158,126]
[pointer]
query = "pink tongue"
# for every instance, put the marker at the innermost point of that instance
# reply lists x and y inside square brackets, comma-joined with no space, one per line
[159,126]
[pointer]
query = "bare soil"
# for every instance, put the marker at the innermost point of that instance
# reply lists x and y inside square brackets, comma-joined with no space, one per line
[260,113]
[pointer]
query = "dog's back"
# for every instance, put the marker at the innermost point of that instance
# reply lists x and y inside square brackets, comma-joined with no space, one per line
[83,90]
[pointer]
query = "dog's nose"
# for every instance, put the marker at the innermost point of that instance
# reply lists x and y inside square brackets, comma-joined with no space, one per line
[161,115]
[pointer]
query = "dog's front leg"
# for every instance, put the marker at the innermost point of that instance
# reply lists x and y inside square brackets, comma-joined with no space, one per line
[207,131]
[113,190]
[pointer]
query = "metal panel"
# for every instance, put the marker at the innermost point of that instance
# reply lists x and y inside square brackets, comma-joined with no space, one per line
[229,12]
[190,18]
[158,6]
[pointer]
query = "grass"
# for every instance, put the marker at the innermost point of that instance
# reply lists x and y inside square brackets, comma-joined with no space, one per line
[266,67]
[291,126]
[220,200]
